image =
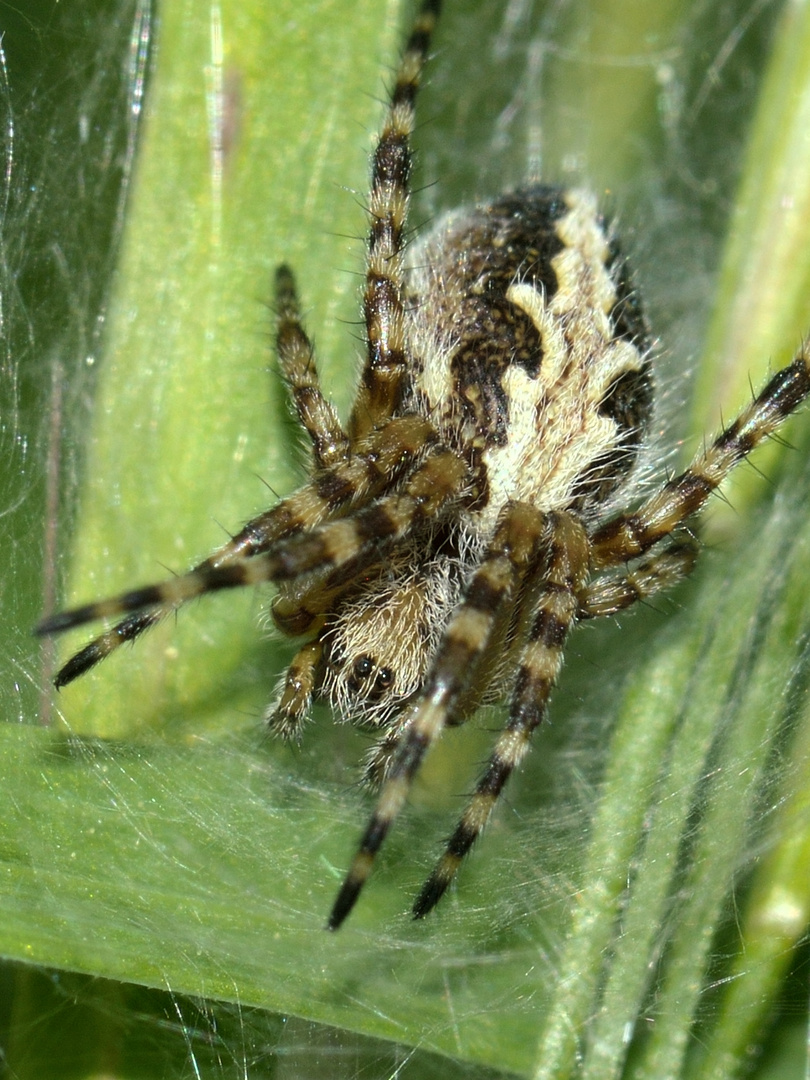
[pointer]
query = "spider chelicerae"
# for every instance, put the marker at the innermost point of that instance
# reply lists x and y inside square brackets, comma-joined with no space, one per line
[470,513]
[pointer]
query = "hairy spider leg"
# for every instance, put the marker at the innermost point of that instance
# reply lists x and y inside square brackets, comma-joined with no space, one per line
[520,539]
[330,446]
[341,549]
[608,596]
[660,572]
[568,597]
[382,376]
[380,387]
[623,539]
[630,535]
[537,672]
[296,357]
[383,459]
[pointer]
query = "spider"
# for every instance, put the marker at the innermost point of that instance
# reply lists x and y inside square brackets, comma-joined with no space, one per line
[473,509]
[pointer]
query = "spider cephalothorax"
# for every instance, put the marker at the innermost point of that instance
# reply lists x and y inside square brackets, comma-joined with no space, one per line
[472,509]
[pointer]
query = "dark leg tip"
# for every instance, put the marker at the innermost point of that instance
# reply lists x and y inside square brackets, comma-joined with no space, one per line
[432,892]
[76,666]
[351,888]
[346,899]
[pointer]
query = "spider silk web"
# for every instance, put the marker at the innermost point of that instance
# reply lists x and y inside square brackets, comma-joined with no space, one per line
[637,906]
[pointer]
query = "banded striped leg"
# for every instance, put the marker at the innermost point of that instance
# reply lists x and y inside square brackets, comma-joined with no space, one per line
[382,459]
[660,572]
[240,546]
[341,549]
[519,540]
[537,673]
[379,391]
[330,443]
[631,535]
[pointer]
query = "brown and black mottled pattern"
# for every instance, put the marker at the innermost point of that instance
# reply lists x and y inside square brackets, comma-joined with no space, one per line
[513,237]
[516,239]
[629,404]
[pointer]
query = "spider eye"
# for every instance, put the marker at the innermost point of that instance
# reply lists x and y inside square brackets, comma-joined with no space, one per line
[362,667]
[385,679]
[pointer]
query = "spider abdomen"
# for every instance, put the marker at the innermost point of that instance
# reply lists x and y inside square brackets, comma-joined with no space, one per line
[530,352]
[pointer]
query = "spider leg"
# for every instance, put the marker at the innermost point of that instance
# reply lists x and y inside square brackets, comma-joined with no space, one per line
[341,549]
[382,459]
[519,539]
[537,672]
[659,572]
[379,394]
[287,715]
[629,536]
[330,443]
[379,390]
